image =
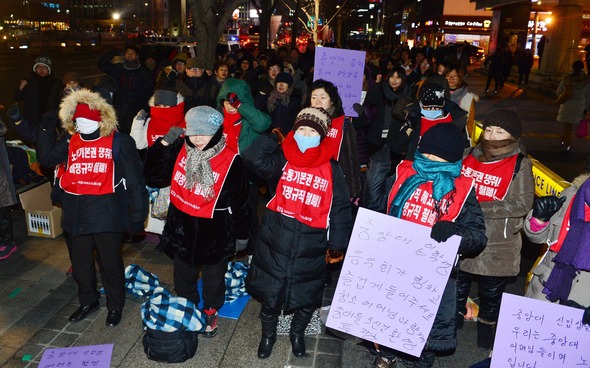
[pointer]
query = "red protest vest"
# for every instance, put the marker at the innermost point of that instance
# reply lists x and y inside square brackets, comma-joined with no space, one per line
[426,124]
[162,119]
[91,168]
[193,202]
[419,208]
[305,193]
[232,127]
[336,133]
[492,179]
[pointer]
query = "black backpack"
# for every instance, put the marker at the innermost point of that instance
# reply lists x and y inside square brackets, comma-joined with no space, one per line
[170,347]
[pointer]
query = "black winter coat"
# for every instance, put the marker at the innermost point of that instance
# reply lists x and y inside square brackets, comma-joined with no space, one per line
[201,240]
[473,240]
[93,214]
[289,263]
[40,95]
[135,87]
[281,116]
[384,99]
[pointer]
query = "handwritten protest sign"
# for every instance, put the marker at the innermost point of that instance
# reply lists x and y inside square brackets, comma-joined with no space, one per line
[345,69]
[536,334]
[98,356]
[391,282]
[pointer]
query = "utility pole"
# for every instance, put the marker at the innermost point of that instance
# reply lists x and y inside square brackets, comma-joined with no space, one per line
[315,21]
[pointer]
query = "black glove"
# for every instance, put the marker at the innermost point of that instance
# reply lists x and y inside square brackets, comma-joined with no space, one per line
[14,113]
[443,230]
[545,207]
[381,156]
[172,75]
[241,244]
[173,135]
[233,99]
[49,120]
[141,115]
[358,108]
[586,318]
[571,303]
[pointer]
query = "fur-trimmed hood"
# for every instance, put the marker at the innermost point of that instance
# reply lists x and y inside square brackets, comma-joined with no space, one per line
[580,179]
[67,108]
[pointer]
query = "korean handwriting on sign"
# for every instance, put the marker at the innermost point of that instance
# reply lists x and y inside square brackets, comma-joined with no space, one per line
[533,333]
[391,282]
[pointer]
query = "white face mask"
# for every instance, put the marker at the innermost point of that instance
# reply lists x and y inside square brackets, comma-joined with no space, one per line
[86,126]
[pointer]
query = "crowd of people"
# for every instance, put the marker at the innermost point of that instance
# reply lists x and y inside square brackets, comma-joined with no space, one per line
[257,128]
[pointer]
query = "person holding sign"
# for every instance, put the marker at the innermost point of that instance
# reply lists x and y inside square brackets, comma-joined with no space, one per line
[505,190]
[562,223]
[431,191]
[324,94]
[289,262]
[208,216]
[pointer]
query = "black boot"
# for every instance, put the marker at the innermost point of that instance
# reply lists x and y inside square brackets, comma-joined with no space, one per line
[269,334]
[300,321]
[485,335]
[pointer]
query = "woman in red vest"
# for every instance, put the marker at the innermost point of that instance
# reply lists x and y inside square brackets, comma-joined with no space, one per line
[104,196]
[289,262]
[449,208]
[505,190]
[208,214]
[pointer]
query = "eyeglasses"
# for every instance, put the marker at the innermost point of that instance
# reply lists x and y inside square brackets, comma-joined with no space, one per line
[452,77]
[274,68]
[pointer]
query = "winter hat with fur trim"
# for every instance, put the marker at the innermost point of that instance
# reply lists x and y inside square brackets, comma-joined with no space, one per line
[43,60]
[202,120]
[314,117]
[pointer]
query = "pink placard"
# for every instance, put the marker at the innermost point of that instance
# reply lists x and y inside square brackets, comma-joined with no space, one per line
[96,356]
[345,69]
[535,334]
[391,282]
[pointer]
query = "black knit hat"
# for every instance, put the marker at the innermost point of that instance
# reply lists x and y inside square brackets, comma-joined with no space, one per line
[506,119]
[285,78]
[432,95]
[314,117]
[443,140]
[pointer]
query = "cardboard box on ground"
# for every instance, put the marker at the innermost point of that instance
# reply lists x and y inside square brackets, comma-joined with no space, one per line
[42,217]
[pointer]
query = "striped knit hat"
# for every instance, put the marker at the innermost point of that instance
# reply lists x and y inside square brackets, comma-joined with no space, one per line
[314,117]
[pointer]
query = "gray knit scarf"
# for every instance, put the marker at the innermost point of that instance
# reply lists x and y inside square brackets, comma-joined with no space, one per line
[198,168]
[282,97]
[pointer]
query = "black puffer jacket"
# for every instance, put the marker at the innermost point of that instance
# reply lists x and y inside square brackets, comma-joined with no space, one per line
[201,240]
[472,231]
[289,262]
[135,87]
